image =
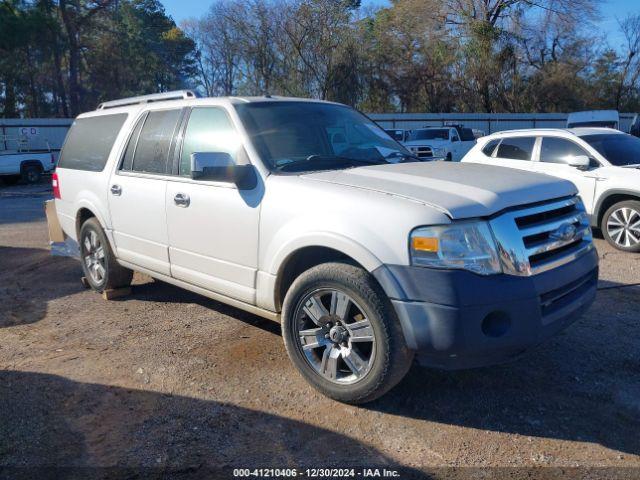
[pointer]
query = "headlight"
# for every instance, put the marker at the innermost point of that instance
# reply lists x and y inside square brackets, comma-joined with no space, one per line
[465,245]
[438,152]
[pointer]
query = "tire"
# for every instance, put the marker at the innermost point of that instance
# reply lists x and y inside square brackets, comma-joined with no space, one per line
[31,174]
[362,328]
[621,226]
[449,157]
[98,261]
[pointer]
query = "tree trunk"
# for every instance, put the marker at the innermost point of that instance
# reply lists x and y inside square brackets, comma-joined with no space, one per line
[74,58]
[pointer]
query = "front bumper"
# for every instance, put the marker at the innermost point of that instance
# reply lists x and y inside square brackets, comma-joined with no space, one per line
[457,319]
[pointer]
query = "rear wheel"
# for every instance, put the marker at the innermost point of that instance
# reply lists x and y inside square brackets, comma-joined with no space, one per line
[98,261]
[621,226]
[31,174]
[342,334]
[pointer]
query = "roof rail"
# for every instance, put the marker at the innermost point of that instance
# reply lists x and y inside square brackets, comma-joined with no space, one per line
[154,97]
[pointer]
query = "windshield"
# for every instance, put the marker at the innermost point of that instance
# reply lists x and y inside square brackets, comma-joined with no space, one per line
[594,123]
[431,134]
[619,149]
[307,136]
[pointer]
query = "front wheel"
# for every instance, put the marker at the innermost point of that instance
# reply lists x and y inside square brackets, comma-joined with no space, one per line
[342,334]
[98,261]
[621,226]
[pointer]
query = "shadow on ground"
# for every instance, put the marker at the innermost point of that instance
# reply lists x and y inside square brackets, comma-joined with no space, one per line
[29,279]
[50,420]
[582,385]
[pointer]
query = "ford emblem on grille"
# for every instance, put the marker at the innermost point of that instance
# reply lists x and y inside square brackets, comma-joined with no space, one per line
[565,232]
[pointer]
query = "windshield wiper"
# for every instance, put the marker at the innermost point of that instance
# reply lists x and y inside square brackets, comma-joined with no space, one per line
[328,160]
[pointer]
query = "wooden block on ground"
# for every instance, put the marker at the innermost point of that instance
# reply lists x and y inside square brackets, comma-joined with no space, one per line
[116,293]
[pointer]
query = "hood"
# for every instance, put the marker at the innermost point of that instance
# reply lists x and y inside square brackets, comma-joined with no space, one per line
[460,190]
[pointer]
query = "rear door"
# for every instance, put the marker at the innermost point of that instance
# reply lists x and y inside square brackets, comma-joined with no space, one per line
[213,226]
[513,152]
[553,157]
[137,191]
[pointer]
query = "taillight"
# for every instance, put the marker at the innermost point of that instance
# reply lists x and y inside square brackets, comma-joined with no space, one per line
[56,186]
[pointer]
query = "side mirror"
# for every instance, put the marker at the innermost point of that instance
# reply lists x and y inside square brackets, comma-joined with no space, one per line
[220,167]
[455,139]
[581,162]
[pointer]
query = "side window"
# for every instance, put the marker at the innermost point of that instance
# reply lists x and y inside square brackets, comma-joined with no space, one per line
[559,150]
[466,135]
[152,151]
[209,130]
[516,148]
[89,142]
[490,147]
[127,159]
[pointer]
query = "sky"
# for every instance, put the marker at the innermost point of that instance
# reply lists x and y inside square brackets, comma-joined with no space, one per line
[610,11]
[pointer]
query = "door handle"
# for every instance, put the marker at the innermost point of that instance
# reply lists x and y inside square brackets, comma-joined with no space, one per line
[182,200]
[116,190]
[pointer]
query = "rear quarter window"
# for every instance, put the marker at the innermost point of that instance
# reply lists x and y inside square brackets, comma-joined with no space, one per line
[489,148]
[89,142]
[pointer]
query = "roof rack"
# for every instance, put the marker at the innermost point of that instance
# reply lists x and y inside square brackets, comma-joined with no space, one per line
[154,97]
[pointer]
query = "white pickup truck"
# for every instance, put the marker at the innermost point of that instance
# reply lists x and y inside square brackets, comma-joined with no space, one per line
[449,143]
[308,213]
[26,165]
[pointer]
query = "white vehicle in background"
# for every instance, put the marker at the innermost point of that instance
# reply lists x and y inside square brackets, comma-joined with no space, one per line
[594,118]
[449,143]
[26,165]
[603,163]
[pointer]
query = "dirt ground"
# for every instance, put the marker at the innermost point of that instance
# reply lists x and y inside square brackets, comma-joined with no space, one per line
[185,386]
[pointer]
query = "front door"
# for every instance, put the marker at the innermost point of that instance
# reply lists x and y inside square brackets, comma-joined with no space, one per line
[137,192]
[213,226]
[554,154]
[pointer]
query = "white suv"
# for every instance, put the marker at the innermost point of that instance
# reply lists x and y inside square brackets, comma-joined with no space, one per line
[603,163]
[307,212]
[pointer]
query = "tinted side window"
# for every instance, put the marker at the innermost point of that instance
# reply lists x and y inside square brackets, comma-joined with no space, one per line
[152,150]
[490,147]
[89,142]
[127,160]
[559,150]
[516,148]
[209,130]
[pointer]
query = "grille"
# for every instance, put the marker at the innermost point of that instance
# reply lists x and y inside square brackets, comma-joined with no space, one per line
[540,237]
[422,152]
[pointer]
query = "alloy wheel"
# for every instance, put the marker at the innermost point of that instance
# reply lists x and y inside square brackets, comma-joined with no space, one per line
[623,227]
[94,257]
[335,336]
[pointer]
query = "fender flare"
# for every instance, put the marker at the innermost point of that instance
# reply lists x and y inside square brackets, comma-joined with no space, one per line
[86,204]
[334,241]
[595,218]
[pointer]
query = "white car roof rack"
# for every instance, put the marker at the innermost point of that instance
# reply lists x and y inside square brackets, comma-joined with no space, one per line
[154,97]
